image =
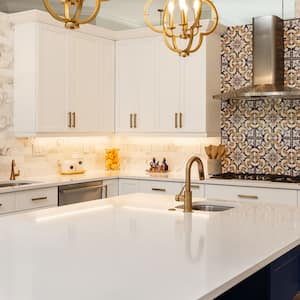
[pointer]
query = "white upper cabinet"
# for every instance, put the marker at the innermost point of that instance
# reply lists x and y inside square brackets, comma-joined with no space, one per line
[64,81]
[136,90]
[52,77]
[168,93]
[169,88]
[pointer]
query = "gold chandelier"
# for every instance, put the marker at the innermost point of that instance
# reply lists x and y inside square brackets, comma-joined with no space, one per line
[72,20]
[181,27]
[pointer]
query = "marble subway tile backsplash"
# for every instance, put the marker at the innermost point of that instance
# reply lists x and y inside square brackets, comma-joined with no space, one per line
[39,156]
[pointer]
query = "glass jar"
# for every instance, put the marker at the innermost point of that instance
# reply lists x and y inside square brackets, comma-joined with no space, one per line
[112,159]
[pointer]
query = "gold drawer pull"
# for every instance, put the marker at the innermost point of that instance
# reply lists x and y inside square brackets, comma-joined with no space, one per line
[158,190]
[181,120]
[134,121]
[39,199]
[131,126]
[74,120]
[176,120]
[248,196]
[195,187]
[70,120]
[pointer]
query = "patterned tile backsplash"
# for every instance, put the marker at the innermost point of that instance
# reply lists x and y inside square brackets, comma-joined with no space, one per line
[261,136]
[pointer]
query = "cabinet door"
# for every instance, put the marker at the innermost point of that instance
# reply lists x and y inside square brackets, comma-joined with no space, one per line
[169,88]
[112,187]
[160,187]
[193,102]
[106,49]
[146,121]
[34,199]
[127,85]
[7,203]
[127,186]
[84,85]
[251,194]
[136,92]
[52,80]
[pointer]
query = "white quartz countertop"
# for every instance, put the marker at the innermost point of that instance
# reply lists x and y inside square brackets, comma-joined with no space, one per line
[132,248]
[58,180]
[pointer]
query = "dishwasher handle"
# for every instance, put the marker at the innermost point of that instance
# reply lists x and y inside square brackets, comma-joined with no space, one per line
[85,188]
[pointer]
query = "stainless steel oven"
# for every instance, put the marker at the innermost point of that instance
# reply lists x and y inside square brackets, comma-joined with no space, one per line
[81,192]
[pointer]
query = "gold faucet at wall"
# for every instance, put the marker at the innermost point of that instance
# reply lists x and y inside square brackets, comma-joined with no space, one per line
[186,193]
[13,172]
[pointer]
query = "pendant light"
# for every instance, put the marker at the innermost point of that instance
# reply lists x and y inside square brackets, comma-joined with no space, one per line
[181,24]
[73,20]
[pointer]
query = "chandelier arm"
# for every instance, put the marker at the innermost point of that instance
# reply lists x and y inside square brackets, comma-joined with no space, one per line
[198,45]
[165,25]
[67,11]
[77,11]
[146,17]
[93,15]
[166,40]
[52,12]
[196,24]
[185,51]
[215,18]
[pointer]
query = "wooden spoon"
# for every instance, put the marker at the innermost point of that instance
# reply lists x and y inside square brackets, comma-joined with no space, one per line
[214,152]
[221,151]
[208,151]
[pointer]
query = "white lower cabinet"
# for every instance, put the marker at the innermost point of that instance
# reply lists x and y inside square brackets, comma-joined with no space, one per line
[112,187]
[32,199]
[7,203]
[251,194]
[130,186]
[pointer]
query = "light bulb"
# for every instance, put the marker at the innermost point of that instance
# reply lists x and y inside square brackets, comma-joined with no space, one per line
[196,6]
[171,7]
[183,6]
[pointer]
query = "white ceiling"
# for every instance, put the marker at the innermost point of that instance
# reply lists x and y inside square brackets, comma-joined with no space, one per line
[125,14]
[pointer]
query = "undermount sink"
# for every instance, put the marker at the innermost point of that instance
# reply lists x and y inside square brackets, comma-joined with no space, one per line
[202,206]
[14,183]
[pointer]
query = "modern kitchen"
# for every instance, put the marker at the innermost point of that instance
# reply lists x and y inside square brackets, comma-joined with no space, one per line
[150,149]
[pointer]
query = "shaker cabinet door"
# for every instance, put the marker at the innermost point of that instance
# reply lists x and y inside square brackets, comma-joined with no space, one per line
[136,90]
[52,77]
[169,89]
[84,89]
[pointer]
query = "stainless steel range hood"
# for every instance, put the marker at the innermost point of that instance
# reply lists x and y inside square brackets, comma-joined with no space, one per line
[268,63]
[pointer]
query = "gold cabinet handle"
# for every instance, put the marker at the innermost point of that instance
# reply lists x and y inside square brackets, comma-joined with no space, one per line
[39,199]
[176,120]
[158,190]
[195,187]
[70,120]
[130,120]
[134,121]
[74,120]
[248,196]
[181,120]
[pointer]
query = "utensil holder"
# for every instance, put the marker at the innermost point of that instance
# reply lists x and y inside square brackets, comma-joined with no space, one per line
[214,166]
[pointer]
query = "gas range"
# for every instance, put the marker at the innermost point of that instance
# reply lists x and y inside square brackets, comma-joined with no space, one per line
[261,177]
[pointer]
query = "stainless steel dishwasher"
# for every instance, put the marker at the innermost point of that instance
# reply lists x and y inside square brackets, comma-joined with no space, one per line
[81,192]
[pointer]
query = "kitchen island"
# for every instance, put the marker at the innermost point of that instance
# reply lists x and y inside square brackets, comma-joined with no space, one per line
[132,247]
